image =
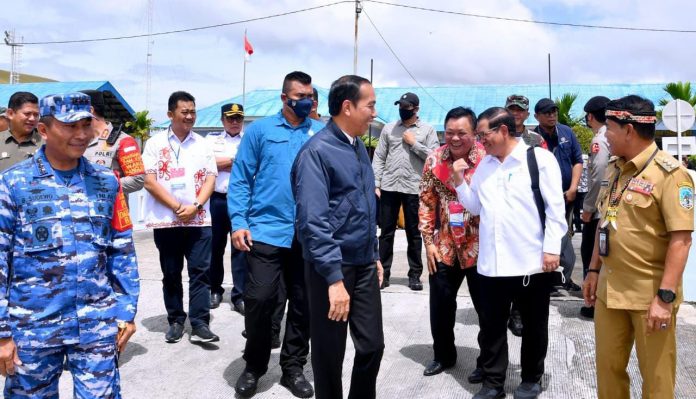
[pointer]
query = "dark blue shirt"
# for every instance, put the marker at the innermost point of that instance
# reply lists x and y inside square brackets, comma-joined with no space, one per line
[566,148]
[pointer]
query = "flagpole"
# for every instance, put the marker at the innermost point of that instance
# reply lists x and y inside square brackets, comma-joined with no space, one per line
[244,73]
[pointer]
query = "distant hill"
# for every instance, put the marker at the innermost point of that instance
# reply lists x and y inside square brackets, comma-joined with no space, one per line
[23,78]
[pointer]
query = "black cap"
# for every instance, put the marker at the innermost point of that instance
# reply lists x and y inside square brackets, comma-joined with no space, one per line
[96,97]
[596,104]
[408,99]
[232,109]
[545,105]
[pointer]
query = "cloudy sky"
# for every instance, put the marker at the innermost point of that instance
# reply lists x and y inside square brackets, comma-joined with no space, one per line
[437,48]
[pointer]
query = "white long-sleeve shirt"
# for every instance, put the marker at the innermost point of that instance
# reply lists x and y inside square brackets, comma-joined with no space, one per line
[511,239]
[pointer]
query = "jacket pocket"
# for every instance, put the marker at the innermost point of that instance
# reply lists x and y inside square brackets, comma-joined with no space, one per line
[43,234]
[100,214]
[339,216]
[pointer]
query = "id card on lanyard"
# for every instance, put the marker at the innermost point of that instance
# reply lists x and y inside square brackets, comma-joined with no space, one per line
[178,176]
[456,221]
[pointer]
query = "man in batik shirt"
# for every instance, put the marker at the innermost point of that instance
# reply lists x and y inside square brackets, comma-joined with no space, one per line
[450,234]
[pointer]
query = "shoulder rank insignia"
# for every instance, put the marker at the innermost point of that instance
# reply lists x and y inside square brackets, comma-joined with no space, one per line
[613,158]
[667,162]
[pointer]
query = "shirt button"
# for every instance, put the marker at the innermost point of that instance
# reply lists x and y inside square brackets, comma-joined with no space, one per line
[609,271]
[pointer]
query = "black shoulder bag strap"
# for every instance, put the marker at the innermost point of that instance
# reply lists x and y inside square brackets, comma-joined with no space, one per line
[534,174]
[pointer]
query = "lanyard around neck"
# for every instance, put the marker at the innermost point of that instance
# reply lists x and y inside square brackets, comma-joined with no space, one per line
[613,197]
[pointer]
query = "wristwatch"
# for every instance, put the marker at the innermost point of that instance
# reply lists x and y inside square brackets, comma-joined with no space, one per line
[666,296]
[198,205]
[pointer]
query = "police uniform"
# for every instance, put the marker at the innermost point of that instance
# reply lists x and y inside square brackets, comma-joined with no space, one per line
[12,151]
[225,146]
[120,153]
[658,200]
[67,275]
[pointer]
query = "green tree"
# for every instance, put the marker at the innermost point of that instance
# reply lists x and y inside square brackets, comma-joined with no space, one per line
[679,91]
[565,104]
[584,135]
[140,126]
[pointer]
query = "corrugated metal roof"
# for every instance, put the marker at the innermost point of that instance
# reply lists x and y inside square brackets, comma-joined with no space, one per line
[436,101]
[46,88]
[257,104]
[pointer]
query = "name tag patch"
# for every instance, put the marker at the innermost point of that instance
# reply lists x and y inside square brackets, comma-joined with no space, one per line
[640,186]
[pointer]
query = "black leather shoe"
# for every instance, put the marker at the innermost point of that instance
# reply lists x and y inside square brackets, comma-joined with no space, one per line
[414,284]
[571,286]
[476,376]
[587,311]
[239,307]
[298,385]
[275,340]
[435,367]
[490,393]
[174,334]
[215,300]
[246,384]
[515,323]
[385,284]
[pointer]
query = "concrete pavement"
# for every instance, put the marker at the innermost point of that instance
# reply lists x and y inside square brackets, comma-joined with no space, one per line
[151,368]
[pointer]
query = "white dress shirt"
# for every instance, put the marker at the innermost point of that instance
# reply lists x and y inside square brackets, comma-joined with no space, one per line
[511,239]
[224,146]
[181,168]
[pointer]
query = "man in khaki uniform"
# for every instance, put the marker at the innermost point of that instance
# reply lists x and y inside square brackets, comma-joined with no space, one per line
[21,140]
[643,240]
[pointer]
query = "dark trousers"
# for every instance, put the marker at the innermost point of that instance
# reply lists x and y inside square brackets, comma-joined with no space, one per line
[268,266]
[390,202]
[192,243]
[496,295]
[587,245]
[444,286]
[577,206]
[221,230]
[329,337]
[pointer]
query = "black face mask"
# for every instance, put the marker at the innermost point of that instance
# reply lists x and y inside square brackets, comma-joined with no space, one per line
[406,114]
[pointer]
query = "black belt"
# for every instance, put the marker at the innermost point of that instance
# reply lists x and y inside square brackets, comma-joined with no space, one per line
[216,194]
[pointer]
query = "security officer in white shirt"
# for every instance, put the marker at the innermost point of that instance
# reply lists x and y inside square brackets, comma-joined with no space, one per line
[225,144]
[517,249]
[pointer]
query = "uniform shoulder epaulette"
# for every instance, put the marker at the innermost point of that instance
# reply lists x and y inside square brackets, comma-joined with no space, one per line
[613,158]
[667,162]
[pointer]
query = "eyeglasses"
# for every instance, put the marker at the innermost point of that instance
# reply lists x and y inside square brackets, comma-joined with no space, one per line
[481,135]
[234,118]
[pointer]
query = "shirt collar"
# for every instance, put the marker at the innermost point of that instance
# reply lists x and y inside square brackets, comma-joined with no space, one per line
[638,162]
[189,136]
[35,137]
[307,122]
[103,135]
[520,151]
[417,123]
[351,139]
[42,168]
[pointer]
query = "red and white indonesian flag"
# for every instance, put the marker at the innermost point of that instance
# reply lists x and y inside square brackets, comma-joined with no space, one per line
[248,49]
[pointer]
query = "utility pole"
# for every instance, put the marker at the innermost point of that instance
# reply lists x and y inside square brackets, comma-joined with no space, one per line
[148,76]
[15,55]
[549,75]
[358,10]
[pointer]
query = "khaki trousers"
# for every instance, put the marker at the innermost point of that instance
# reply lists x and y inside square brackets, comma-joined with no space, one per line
[616,330]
